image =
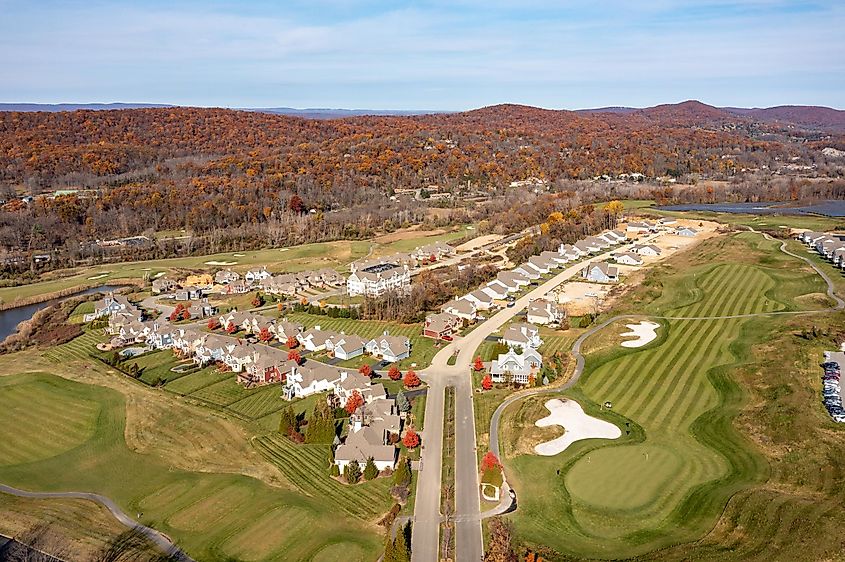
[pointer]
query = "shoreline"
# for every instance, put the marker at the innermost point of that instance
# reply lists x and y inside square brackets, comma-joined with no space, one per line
[69,292]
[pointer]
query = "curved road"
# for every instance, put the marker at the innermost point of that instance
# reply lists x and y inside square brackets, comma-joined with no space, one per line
[160,540]
[505,505]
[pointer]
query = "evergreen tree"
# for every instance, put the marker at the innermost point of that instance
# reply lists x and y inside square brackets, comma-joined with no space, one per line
[370,470]
[335,470]
[402,402]
[352,472]
[402,475]
[288,420]
[401,545]
[320,428]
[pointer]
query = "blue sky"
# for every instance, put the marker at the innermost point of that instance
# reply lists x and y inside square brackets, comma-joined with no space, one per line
[437,54]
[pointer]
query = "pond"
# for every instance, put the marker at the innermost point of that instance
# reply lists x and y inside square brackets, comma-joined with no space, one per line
[829,208]
[9,319]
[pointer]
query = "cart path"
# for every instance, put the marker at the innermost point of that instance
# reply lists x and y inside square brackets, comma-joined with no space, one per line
[160,539]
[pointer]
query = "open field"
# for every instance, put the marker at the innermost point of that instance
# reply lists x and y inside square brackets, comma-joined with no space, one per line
[213,516]
[680,459]
[408,240]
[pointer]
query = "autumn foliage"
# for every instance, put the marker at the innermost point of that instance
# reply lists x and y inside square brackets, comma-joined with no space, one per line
[489,461]
[478,364]
[411,440]
[487,382]
[411,380]
[394,373]
[213,323]
[294,356]
[354,402]
[366,370]
[292,342]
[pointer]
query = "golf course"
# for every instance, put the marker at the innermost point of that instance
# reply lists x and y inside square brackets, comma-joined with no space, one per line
[668,479]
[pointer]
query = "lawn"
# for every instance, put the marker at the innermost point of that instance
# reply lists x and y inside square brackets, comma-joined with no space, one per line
[667,481]
[213,516]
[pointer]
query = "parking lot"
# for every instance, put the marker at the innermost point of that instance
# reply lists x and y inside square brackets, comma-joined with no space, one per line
[832,384]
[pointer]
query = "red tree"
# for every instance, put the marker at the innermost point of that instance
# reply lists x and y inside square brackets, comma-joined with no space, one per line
[213,323]
[394,373]
[296,204]
[354,402]
[292,342]
[411,379]
[487,382]
[478,365]
[231,328]
[186,314]
[411,439]
[489,461]
[257,300]
[294,356]
[366,370]
[264,334]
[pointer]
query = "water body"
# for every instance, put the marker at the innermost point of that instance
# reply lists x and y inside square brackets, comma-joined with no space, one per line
[9,319]
[829,208]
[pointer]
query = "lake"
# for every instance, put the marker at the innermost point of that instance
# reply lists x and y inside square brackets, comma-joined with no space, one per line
[829,208]
[9,319]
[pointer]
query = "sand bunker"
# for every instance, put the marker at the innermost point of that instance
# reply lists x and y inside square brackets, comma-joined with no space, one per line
[578,425]
[644,332]
[100,276]
[221,263]
[238,255]
[159,274]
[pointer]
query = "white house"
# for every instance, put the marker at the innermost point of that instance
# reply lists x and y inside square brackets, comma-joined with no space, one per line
[686,231]
[542,311]
[389,348]
[256,275]
[600,272]
[461,308]
[496,290]
[516,367]
[480,299]
[522,335]
[315,339]
[628,258]
[646,250]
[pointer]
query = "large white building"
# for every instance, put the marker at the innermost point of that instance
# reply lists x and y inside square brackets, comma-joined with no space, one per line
[375,279]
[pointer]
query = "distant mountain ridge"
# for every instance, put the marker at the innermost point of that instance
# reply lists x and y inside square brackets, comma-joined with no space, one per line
[691,111]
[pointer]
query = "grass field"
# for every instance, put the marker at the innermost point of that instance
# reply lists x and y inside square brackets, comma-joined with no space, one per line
[667,480]
[213,516]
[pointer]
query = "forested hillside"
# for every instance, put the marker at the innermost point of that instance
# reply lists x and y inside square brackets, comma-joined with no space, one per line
[247,177]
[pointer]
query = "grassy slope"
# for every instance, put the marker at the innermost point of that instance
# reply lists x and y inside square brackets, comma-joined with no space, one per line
[679,391]
[212,515]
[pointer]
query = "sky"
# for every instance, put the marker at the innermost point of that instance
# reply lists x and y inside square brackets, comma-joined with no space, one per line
[435,54]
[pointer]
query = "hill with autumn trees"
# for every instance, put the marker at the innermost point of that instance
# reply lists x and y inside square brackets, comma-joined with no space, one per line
[219,170]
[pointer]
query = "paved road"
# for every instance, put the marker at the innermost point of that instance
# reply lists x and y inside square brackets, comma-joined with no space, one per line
[439,375]
[506,503]
[160,540]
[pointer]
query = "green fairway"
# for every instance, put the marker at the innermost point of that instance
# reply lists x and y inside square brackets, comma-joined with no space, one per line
[670,477]
[212,516]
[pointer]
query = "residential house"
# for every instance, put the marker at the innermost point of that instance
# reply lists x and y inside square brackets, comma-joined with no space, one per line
[189,293]
[346,346]
[315,339]
[600,272]
[367,440]
[628,258]
[108,305]
[164,285]
[284,329]
[515,279]
[644,226]
[585,247]
[686,231]
[226,276]
[256,275]
[541,264]
[516,367]
[389,348]
[522,335]
[442,325]
[543,312]
[269,365]
[646,250]
[461,308]
[237,287]
[433,252]
[496,290]
[240,356]
[480,299]
[571,253]
[554,257]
